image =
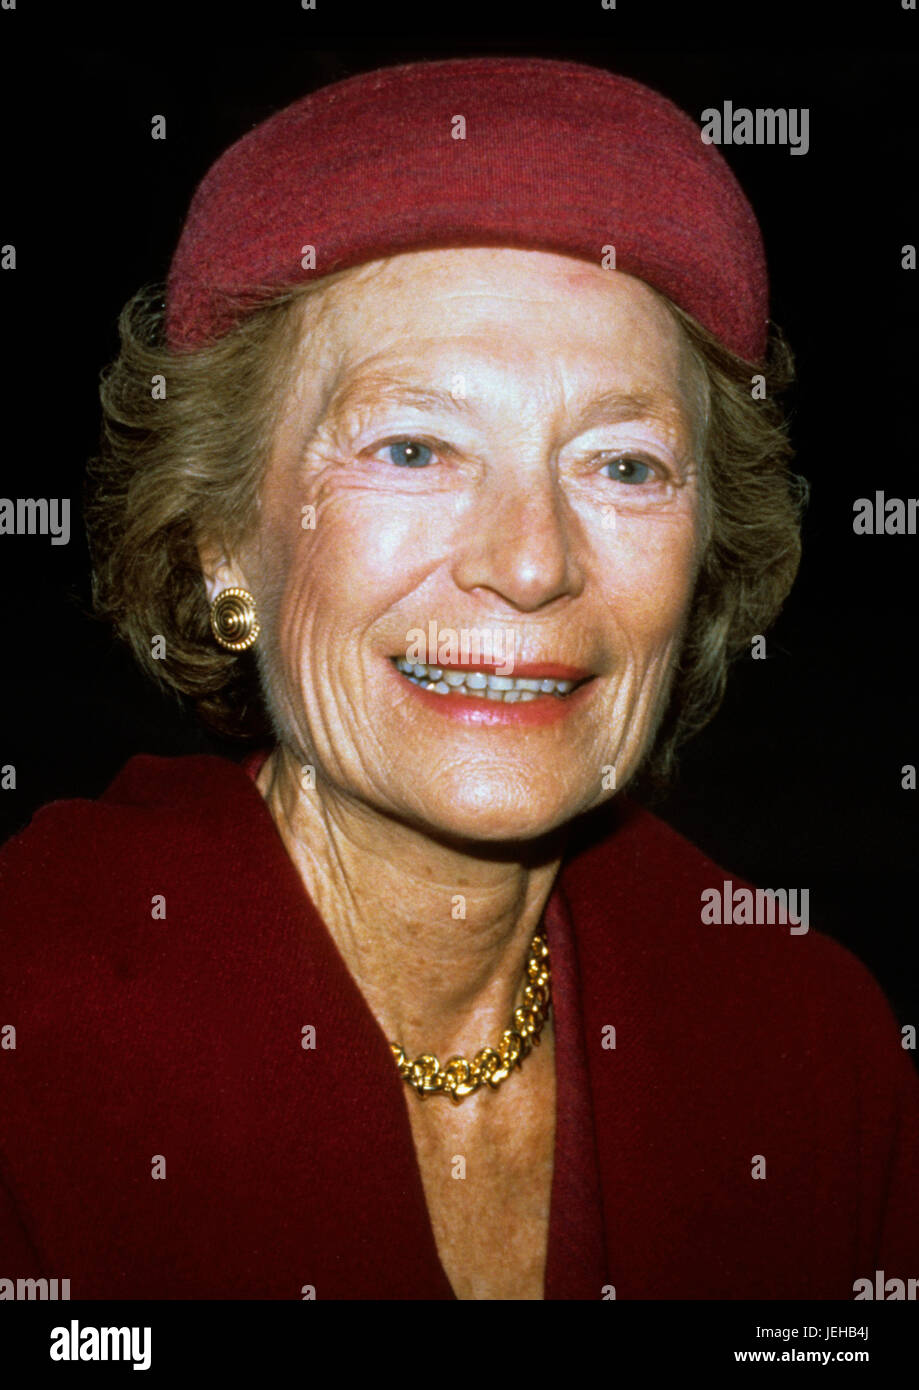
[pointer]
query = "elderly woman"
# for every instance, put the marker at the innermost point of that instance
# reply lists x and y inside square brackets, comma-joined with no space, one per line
[452,463]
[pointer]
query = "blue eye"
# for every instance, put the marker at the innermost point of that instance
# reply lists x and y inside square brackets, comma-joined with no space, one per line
[628,470]
[408,453]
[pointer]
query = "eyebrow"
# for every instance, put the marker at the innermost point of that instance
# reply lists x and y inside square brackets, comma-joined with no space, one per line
[380,388]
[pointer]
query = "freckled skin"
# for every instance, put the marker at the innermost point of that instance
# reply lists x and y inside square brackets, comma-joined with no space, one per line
[507,527]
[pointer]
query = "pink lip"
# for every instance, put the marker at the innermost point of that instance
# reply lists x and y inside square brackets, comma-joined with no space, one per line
[474,711]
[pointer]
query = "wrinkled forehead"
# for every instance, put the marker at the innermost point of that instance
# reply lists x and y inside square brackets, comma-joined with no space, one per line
[493,319]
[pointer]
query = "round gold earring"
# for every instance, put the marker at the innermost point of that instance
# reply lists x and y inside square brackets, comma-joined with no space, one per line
[233,620]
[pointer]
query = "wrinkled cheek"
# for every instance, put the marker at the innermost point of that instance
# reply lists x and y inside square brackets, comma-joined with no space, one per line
[657,580]
[654,610]
[667,623]
[663,645]
[296,648]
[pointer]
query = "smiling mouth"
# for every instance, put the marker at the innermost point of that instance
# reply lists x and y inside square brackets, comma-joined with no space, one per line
[481,685]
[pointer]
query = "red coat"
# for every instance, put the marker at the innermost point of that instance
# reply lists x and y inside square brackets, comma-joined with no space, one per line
[285,1167]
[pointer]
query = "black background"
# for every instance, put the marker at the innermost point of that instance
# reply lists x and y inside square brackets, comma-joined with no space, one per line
[798,781]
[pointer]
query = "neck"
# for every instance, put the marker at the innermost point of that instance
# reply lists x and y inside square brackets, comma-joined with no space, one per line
[435,934]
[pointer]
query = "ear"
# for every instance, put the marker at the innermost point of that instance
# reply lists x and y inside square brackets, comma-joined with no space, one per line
[219,571]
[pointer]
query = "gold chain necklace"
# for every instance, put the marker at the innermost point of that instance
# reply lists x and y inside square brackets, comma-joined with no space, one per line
[490,1066]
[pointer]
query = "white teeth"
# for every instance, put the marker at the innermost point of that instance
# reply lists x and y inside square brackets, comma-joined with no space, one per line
[511,690]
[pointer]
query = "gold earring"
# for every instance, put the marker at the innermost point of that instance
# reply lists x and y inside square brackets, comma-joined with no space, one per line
[233,620]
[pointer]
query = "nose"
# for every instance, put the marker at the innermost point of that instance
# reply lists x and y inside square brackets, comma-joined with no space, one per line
[521,541]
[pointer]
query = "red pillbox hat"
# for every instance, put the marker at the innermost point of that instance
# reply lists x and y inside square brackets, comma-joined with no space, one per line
[550,156]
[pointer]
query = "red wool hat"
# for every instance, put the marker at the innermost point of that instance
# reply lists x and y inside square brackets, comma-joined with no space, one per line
[548,156]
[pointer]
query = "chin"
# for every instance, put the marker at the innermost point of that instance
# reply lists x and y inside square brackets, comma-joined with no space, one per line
[489,814]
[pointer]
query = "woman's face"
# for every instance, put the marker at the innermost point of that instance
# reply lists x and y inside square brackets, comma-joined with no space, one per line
[491,463]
